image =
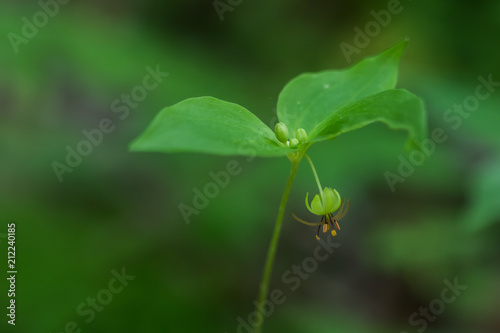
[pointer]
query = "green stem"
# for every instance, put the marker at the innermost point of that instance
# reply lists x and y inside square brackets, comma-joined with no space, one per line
[315,176]
[271,254]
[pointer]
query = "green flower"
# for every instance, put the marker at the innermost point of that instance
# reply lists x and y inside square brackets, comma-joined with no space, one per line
[325,204]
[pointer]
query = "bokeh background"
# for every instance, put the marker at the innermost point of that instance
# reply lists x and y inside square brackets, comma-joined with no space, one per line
[119,210]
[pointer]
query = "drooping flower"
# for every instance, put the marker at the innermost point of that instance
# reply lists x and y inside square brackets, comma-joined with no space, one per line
[325,204]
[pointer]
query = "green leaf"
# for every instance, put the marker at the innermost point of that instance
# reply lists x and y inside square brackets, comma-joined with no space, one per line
[325,105]
[209,125]
[397,108]
[309,98]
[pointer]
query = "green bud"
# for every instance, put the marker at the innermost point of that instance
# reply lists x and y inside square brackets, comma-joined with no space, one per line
[294,142]
[301,135]
[281,132]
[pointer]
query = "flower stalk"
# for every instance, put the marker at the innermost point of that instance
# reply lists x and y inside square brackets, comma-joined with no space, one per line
[315,176]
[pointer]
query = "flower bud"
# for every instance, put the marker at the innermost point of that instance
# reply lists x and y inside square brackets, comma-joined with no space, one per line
[281,132]
[301,135]
[294,142]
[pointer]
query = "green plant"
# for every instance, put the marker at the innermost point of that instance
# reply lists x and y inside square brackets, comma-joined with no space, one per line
[311,108]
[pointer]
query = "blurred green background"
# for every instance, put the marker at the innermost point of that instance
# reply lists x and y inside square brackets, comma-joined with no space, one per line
[119,210]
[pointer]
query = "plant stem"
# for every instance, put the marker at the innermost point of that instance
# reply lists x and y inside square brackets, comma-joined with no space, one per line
[271,254]
[315,176]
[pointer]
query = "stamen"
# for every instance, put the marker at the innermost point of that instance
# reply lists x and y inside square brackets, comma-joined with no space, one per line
[334,233]
[342,212]
[336,224]
[325,227]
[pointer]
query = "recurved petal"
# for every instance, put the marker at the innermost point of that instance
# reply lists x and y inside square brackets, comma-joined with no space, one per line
[307,204]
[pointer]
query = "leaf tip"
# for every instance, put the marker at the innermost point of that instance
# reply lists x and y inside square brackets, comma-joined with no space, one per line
[139,144]
[398,48]
[134,146]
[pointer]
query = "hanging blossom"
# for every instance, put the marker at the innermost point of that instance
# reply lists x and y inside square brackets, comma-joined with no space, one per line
[325,204]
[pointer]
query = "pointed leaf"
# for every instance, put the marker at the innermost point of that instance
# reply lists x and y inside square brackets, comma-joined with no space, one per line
[309,98]
[209,125]
[397,108]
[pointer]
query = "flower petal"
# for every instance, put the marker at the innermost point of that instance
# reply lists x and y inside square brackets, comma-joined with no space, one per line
[317,206]
[328,200]
[305,222]
[307,204]
[331,200]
